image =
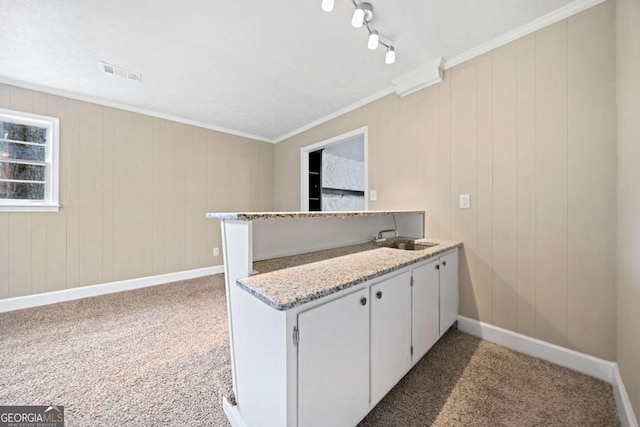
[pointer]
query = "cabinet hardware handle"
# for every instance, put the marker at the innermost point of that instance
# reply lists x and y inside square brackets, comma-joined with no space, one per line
[363,301]
[444,263]
[379,294]
[438,267]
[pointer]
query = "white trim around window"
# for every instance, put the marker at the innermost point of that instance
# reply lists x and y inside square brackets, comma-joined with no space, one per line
[51,163]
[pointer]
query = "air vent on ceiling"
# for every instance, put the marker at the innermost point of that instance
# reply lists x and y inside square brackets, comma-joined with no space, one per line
[119,71]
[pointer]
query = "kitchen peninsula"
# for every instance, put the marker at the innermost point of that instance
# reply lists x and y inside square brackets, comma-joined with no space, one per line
[325,314]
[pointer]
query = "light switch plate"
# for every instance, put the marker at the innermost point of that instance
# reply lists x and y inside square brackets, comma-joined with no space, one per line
[373,195]
[465,201]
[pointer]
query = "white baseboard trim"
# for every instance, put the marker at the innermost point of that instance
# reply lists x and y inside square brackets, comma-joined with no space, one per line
[599,368]
[625,410]
[18,303]
[232,413]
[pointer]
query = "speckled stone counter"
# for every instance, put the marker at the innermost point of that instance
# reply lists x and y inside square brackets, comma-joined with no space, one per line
[250,216]
[284,287]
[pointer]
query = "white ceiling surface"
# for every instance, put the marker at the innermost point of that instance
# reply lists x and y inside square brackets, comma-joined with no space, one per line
[351,148]
[263,68]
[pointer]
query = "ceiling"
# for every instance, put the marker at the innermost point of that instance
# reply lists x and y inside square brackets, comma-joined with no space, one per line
[256,67]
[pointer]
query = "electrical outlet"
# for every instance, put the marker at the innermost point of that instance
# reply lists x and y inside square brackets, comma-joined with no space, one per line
[373,195]
[216,251]
[465,201]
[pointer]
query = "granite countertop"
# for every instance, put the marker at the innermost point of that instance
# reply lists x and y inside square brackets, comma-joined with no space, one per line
[284,287]
[250,216]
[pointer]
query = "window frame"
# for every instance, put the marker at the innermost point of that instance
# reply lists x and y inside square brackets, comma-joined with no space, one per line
[50,203]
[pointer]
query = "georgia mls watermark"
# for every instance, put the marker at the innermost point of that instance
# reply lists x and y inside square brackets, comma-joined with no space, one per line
[32,416]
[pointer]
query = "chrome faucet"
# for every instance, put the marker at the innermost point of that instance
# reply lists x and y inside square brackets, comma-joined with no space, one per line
[391,230]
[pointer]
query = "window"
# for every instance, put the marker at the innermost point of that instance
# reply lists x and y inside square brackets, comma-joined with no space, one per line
[28,162]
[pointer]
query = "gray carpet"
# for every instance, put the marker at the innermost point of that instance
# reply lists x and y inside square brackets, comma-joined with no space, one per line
[160,356]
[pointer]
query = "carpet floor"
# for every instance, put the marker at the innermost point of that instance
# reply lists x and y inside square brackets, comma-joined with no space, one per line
[160,356]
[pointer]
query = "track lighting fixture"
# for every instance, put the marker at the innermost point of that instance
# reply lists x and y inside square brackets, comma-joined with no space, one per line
[362,16]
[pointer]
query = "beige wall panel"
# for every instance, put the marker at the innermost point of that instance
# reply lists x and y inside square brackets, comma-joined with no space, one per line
[592,182]
[505,136]
[124,195]
[199,250]
[4,255]
[444,156]
[143,202]
[464,131]
[89,194]
[20,254]
[177,198]
[429,157]
[526,185]
[56,222]
[108,192]
[483,285]
[161,153]
[628,202]
[551,176]
[70,152]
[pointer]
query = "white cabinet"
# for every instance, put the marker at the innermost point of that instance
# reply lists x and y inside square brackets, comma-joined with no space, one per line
[390,333]
[333,362]
[448,290]
[425,308]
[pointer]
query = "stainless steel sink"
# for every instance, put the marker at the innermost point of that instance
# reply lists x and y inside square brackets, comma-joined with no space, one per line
[406,244]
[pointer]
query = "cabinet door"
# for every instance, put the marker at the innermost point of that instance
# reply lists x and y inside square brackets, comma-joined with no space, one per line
[425,302]
[333,362]
[448,290]
[390,333]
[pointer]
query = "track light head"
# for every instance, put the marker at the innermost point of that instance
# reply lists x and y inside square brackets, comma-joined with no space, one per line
[390,56]
[327,5]
[362,14]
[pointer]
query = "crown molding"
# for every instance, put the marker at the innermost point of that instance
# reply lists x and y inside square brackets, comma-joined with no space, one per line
[557,15]
[420,78]
[126,107]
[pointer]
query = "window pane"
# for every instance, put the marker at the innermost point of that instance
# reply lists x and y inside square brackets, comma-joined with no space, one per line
[17,190]
[24,133]
[10,150]
[23,172]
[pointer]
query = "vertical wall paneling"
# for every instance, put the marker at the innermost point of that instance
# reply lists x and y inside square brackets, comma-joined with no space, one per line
[505,186]
[444,156]
[89,200]
[108,192]
[591,177]
[124,194]
[464,121]
[70,158]
[428,155]
[526,185]
[143,189]
[177,173]
[551,179]
[483,200]
[160,153]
